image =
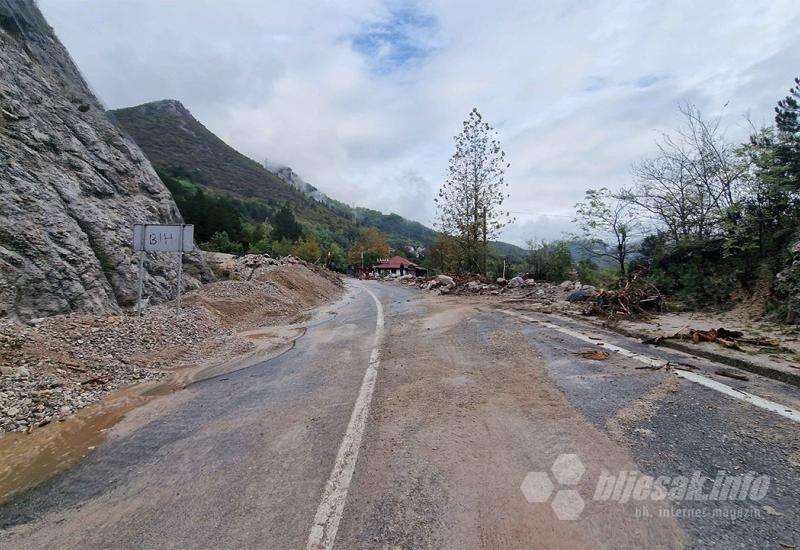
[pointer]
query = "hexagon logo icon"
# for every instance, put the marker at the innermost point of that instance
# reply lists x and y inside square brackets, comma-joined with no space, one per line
[568,469]
[567,504]
[537,487]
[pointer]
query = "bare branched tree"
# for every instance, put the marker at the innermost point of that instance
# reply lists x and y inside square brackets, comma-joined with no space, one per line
[609,225]
[470,201]
[691,187]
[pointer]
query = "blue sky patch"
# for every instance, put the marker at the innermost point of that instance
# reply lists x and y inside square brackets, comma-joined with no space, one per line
[402,39]
[645,81]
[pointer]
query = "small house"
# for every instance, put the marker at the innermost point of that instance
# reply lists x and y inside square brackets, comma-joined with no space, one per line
[397,266]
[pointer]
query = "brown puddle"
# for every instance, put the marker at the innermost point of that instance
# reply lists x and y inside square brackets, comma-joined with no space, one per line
[29,459]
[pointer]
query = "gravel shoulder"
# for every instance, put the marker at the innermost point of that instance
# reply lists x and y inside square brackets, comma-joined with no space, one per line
[91,370]
[57,365]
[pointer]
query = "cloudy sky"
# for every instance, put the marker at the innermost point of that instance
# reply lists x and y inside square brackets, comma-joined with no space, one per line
[362,97]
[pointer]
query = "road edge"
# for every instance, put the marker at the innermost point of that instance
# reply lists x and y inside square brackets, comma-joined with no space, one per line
[774,374]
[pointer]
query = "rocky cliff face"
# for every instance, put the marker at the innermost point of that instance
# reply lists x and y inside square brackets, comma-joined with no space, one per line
[71,186]
[292,178]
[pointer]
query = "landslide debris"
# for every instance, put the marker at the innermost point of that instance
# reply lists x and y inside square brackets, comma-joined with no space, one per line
[542,296]
[51,367]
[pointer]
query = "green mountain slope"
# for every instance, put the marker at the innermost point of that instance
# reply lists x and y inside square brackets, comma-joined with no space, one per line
[180,146]
[172,138]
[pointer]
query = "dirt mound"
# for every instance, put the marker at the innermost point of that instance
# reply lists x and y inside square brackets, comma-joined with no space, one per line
[65,362]
[264,291]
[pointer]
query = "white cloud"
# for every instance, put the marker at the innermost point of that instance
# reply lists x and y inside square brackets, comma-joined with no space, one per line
[362,97]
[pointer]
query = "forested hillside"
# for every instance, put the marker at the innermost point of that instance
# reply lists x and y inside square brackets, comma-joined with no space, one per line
[220,189]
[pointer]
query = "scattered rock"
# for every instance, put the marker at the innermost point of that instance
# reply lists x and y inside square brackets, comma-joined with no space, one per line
[66,362]
[515,282]
[580,295]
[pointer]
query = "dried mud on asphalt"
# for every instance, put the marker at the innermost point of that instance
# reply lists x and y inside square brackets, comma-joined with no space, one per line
[464,409]
[469,402]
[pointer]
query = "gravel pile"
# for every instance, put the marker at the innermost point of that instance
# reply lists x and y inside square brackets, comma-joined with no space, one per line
[66,362]
[54,366]
[266,291]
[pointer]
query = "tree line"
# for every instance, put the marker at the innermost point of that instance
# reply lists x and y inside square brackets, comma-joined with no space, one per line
[233,225]
[706,215]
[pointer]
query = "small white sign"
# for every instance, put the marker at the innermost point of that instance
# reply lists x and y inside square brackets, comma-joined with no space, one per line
[153,237]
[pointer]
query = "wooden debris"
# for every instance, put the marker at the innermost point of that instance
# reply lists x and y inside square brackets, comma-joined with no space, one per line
[683,366]
[656,367]
[634,298]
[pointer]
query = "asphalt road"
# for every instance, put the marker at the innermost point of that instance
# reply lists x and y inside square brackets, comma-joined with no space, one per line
[468,406]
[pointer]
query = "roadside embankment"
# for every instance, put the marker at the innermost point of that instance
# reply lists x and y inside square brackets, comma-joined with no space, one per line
[54,366]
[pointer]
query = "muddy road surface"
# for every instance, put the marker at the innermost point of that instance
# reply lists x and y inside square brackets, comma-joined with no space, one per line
[405,420]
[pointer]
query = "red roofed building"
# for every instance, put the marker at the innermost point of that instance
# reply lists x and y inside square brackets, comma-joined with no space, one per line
[397,266]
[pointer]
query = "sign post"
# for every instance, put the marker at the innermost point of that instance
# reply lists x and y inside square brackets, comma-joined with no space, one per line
[180,275]
[154,237]
[141,275]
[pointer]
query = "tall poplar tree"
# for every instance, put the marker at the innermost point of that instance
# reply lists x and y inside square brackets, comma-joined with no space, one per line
[469,204]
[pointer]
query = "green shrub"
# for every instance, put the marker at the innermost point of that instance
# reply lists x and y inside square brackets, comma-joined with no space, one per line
[264,246]
[221,242]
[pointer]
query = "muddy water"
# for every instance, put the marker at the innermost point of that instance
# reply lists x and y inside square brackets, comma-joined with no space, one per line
[29,459]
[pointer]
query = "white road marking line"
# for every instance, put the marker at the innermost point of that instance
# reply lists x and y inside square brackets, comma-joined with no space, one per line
[777,408]
[331,506]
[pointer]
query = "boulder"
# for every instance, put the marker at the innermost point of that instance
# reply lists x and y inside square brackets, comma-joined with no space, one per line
[580,295]
[430,284]
[515,282]
[501,281]
[445,280]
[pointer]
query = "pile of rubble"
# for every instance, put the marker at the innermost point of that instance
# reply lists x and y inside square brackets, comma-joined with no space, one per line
[53,366]
[65,362]
[264,290]
[633,297]
[569,296]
